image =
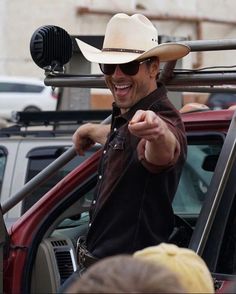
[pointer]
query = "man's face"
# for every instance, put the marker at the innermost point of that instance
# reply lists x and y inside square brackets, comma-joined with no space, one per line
[127,90]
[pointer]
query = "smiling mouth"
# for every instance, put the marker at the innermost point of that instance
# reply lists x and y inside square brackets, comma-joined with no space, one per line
[122,86]
[122,90]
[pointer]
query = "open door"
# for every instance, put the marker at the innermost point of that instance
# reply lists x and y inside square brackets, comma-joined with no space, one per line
[3,246]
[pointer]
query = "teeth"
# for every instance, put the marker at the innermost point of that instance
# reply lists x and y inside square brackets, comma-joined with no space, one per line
[121,86]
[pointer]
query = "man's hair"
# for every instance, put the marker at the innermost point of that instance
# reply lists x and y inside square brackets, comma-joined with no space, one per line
[126,274]
[154,59]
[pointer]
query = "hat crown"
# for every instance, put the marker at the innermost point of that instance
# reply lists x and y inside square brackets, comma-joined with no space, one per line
[129,38]
[135,33]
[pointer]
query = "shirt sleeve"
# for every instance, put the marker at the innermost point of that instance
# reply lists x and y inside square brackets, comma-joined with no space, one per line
[152,167]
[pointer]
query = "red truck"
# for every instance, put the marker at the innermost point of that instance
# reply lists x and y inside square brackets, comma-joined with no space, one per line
[39,250]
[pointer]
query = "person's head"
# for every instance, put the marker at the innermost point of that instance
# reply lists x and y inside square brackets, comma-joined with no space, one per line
[130,57]
[193,107]
[190,268]
[232,107]
[125,274]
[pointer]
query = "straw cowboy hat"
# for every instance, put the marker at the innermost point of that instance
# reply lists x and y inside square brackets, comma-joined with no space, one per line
[128,38]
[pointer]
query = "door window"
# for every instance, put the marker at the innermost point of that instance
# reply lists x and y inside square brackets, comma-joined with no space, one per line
[41,157]
[203,153]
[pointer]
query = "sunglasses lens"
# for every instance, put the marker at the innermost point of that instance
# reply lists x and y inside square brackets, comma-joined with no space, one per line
[130,68]
[107,69]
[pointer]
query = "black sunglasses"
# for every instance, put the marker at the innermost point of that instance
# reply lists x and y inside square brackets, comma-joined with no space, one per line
[130,68]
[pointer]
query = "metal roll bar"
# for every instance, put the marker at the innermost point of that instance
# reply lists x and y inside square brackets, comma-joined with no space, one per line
[181,80]
[167,74]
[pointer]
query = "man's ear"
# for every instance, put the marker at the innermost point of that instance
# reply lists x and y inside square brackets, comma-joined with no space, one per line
[155,67]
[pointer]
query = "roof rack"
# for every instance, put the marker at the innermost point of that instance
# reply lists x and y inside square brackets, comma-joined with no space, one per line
[59,122]
[16,130]
[55,118]
[189,80]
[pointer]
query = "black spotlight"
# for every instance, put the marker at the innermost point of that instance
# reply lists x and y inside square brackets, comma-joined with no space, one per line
[51,47]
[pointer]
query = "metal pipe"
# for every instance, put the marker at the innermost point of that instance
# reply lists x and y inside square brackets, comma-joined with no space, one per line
[211,45]
[179,79]
[203,79]
[199,36]
[201,89]
[93,81]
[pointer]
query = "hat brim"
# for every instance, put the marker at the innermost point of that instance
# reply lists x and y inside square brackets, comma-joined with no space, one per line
[165,52]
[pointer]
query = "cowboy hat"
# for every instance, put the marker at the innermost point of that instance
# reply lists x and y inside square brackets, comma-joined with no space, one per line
[128,38]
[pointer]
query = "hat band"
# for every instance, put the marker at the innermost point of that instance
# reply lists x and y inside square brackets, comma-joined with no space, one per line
[122,50]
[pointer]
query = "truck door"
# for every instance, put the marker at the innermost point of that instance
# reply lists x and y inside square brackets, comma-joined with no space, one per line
[3,243]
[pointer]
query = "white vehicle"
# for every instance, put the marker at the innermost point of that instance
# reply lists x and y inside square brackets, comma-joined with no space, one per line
[25,151]
[25,94]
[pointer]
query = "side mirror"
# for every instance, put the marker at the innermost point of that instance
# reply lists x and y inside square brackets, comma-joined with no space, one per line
[51,48]
[210,162]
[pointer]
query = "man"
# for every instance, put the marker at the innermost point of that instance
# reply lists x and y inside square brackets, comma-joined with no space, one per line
[144,147]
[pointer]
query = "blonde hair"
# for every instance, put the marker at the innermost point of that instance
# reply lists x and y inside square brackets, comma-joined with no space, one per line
[190,268]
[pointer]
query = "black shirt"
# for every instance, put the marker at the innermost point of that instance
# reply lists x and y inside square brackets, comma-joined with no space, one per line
[132,205]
